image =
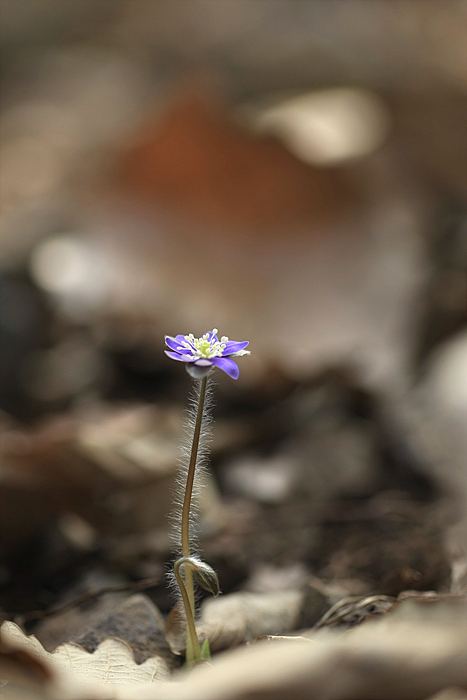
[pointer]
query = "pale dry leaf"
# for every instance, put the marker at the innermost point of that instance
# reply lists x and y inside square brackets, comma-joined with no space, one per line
[287,638]
[111,664]
[17,664]
[389,659]
[402,657]
[14,638]
[241,617]
[450,694]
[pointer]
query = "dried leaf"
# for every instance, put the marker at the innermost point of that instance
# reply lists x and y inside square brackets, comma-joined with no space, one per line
[175,629]
[79,463]
[241,617]
[136,621]
[397,658]
[22,665]
[196,159]
[417,653]
[112,663]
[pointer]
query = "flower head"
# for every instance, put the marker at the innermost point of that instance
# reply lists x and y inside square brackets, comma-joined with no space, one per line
[202,354]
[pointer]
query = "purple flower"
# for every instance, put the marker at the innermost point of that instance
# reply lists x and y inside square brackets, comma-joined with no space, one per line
[202,354]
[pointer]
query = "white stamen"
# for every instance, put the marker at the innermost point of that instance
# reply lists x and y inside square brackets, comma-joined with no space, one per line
[205,348]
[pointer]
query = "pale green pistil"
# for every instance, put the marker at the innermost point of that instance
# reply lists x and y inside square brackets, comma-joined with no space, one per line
[203,348]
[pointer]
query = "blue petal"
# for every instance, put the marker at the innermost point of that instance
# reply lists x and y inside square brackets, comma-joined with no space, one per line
[203,362]
[226,365]
[173,343]
[233,346]
[179,357]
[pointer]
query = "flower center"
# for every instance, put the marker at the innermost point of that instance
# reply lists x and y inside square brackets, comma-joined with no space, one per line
[205,347]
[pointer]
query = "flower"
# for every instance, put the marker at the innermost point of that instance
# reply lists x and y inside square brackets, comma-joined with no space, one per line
[202,354]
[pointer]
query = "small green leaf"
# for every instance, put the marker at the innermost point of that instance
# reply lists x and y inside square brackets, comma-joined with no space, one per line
[206,651]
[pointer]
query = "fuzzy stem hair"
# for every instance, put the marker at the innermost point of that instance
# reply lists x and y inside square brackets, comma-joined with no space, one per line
[198,421]
[192,468]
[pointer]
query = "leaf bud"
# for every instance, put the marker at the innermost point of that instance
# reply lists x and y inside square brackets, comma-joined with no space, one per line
[204,575]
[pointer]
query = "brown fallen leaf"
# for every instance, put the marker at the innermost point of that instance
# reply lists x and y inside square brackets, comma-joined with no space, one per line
[196,159]
[136,621]
[83,464]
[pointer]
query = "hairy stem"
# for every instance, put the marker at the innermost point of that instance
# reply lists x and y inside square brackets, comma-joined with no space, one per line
[193,650]
[188,577]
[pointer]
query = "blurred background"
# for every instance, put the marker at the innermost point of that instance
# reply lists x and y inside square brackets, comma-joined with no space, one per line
[291,172]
